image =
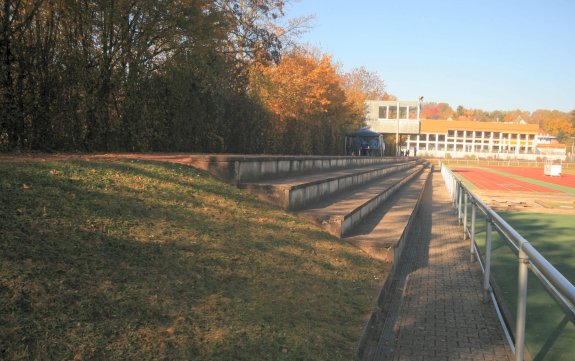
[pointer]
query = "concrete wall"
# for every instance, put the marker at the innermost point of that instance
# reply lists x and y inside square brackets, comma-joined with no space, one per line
[237,169]
[302,195]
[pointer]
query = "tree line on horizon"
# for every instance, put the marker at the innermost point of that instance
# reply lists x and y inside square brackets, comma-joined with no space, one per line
[554,122]
[193,76]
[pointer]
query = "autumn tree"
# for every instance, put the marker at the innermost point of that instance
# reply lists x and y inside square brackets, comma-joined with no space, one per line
[259,29]
[307,96]
[18,29]
[436,111]
[368,83]
[516,116]
[558,124]
[127,75]
[360,85]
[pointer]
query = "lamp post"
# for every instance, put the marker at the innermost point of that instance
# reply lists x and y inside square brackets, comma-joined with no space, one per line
[397,131]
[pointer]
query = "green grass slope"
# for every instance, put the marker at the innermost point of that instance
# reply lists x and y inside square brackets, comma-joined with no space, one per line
[137,260]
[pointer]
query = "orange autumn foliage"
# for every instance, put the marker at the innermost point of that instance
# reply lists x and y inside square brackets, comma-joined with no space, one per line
[559,126]
[555,122]
[302,83]
[306,94]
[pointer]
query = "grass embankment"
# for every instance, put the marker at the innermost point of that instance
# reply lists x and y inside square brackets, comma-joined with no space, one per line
[549,333]
[140,260]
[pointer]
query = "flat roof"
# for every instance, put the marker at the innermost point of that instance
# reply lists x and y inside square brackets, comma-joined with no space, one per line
[557,145]
[443,126]
[394,103]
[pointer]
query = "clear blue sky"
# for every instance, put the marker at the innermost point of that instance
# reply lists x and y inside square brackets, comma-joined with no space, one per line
[488,54]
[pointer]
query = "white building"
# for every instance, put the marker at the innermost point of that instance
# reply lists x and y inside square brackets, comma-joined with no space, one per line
[460,139]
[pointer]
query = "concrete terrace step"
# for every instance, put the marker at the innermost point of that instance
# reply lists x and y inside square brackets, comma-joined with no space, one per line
[238,169]
[382,233]
[341,212]
[298,191]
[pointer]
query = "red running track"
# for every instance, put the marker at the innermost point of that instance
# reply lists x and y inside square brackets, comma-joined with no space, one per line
[486,180]
[567,180]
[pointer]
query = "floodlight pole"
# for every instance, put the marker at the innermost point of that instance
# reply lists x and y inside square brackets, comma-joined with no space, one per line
[397,132]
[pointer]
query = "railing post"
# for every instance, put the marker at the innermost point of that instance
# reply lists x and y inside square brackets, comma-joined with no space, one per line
[453,192]
[465,215]
[456,194]
[472,237]
[521,305]
[487,271]
[459,200]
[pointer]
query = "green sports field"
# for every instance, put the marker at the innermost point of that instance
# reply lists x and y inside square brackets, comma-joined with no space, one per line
[549,334]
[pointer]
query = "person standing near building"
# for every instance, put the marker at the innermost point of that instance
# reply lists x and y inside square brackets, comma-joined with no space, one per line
[364,148]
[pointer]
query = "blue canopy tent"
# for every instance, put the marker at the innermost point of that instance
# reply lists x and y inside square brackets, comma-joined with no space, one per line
[364,142]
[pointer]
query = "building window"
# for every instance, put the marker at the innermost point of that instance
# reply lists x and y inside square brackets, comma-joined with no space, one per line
[451,133]
[441,138]
[392,113]
[432,137]
[402,112]
[382,112]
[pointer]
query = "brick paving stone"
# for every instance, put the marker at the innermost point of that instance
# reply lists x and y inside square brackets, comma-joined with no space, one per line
[437,311]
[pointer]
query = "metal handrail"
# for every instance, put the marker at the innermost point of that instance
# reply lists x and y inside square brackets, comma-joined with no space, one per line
[554,282]
[547,269]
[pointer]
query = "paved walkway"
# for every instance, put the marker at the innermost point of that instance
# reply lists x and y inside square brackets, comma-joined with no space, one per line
[436,304]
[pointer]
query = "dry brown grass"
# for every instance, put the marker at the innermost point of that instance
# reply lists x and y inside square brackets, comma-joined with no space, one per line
[141,260]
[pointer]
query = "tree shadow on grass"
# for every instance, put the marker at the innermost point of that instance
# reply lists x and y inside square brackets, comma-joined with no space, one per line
[102,267]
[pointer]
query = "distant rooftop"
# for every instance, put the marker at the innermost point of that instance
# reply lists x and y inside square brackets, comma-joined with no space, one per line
[442,126]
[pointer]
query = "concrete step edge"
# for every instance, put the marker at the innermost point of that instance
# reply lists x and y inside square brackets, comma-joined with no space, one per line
[299,196]
[372,328]
[344,183]
[357,215]
[374,247]
[337,225]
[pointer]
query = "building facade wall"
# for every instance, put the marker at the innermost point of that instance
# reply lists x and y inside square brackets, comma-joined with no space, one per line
[462,143]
